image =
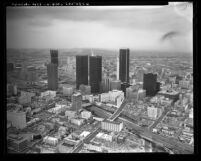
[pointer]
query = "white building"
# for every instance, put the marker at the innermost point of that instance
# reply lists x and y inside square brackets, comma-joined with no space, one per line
[77,121]
[48,93]
[191,113]
[104,137]
[89,97]
[93,147]
[115,97]
[86,114]
[17,118]
[152,112]
[58,109]
[111,126]
[50,140]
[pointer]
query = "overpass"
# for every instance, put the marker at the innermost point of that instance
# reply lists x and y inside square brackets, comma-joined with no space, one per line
[118,111]
[86,140]
[155,138]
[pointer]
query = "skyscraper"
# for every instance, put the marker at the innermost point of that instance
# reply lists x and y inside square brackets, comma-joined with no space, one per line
[150,84]
[54,56]
[124,65]
[52,72]
[95,71]
[81,70]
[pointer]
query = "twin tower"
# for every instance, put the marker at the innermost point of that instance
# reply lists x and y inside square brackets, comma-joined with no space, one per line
[89,70]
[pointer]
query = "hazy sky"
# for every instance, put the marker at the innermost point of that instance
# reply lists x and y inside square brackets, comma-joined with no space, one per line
[147,28]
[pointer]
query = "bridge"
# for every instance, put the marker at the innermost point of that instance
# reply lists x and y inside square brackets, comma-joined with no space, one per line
[118,111]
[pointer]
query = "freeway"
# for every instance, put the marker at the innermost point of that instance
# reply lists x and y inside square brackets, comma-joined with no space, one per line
[86,140]
[147,134]
[118,111]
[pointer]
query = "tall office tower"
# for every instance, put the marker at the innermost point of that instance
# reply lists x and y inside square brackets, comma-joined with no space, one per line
[124,65]
[54,56]
[117,68]
[52,73]
[150,84]
[76,101]
[81,70]
[95,70]
[106,84]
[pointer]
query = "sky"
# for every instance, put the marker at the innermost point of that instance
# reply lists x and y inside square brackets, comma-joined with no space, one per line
[163,28]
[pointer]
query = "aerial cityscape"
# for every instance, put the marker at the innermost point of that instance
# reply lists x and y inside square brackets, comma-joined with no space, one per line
[73,94]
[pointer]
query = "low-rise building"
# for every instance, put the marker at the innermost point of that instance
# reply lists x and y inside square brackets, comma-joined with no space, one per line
[111,126]
[50,140]
[77,121]
[86,114]
[70,114]
[18,119]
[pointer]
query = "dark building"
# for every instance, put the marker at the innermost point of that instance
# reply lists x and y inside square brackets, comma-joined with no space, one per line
[10,67]
[124,85]
[150,84]
[95,73]
[178,78]
[54,56]
[52,73]
[158,85]
[81,70]
[124,65]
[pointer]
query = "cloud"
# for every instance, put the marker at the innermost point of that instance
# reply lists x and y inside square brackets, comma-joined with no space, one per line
[98,27]
[161,19]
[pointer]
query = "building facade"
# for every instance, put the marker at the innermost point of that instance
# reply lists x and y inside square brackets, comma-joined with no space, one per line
[81,70]
[95,71]
[54,57]
[124,55]
[150,84]
[52,73]
[76,101]
[111,126]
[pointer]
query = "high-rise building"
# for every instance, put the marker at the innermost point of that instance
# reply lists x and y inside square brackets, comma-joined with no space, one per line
[124,85]
[52,72]
[76,101]
[106,82]
[81,70]
[95,71]
[150,84]
[124,65]
[54,57]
